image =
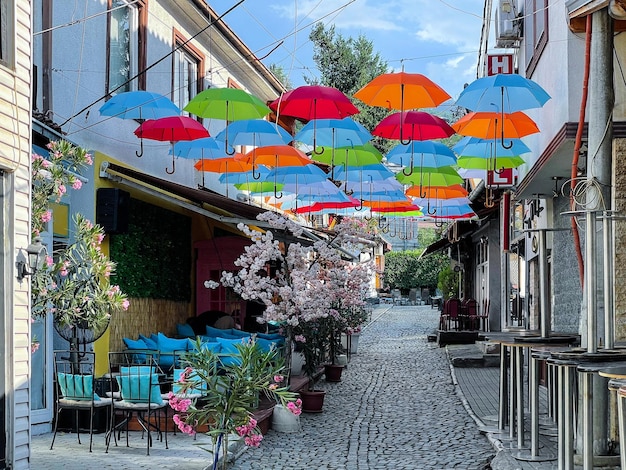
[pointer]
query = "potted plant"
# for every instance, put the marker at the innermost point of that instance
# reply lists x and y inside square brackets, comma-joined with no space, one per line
[309,340]
[75,288]
[224,401]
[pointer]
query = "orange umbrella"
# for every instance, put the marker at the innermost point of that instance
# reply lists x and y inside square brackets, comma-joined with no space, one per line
[402,91]
[438,192]
[274,156]
[223,165]
[490,125]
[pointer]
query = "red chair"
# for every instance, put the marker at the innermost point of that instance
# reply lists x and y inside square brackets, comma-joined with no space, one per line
[453,312]
[470,307]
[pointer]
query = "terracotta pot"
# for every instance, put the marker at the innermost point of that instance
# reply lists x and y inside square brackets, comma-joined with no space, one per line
[333,372]
[312,400]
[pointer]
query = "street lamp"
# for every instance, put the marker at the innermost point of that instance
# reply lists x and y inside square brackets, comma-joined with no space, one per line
[36,253]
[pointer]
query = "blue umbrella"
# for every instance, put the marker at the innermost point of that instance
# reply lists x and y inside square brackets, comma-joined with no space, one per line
[205,148]
[243,177]
[305,174]
[488,154]
[504,93]
[375,172]
[255,132]
[333,133]
[140,105]
[430,154]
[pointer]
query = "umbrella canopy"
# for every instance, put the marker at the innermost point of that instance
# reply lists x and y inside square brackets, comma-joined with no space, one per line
[244,176]
[424,177]
[405,209]
[172,129]
[255,132]
[506,93]
[413,125]
[462,211]
[333,133]
[374,172]
[326,205]
[229,104]
[402,91]
[314,102]
[483,154]
[223,165]
[438,192]
[139,105]
[489,125]
[362,186]
[198,149]
[259,187]
[304,174]
[351,156]
[318,188]
[274,156]
[423,153]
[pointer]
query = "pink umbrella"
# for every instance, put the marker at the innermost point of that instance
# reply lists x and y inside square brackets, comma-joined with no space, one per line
[413,125]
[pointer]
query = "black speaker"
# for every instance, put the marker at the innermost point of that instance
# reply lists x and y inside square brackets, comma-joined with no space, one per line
[112,206]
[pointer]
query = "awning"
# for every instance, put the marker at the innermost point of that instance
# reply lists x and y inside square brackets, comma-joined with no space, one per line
[201,201]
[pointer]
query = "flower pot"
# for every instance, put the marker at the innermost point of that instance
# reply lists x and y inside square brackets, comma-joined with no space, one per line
[352,340]
[312,400]
[284,420]
[297,361]
[341,360]
[333,372]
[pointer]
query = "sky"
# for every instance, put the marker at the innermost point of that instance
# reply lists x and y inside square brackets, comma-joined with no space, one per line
[436,38]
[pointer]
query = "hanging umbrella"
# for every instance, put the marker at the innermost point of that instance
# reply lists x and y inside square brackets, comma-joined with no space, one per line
[361,186]
[275,156]
[244,176]
[483,154]
[402,91]
[223,165]
[351,156]
[434,206]
[462,211]
[259,187]
[413,125]
[374,172]
[328,205]
[430,154]
[425,177]
[314,102]
[295,175]
[489,125]
[171,129]
[505,93]
[255,132]
[139,105]
[333,133]
[199,149]
[438,192]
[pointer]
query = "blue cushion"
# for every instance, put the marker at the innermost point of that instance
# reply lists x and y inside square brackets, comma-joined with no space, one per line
[215,332]
[150,343]
[136,344]
[77,387]
[214,347]
[170,344]
[127,370]
[229,347]
[271,336]
[140,388]
[185,330]
[208,339]
[266,344]
[238,333]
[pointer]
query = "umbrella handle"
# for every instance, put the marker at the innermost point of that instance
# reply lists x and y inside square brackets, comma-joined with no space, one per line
[407,174]
[404,142]
[276,194]
[173,167]
[395,231]
[360,206]
[439,224]
[140,153]
[489,201]
[433,212]
[256,176]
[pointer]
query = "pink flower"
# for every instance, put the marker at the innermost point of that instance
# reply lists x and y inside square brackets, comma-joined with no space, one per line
[178,404]
[49,261]
[294,408]
[254,440]
[34,346]
[88,159]
[273,387]
[46,216]
[184,427]
[125,304]
[300,338]
[62,189]
[278,378]
[77,184]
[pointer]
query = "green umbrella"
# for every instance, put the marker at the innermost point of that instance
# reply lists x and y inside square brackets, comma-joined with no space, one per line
[428,176]
[358,155]
[230,104]
[260,186]
[482,163]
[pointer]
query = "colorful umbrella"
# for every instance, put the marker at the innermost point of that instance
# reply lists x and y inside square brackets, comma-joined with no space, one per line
[438,192]
[172,129]
[351,156]
[328,205]
[229,104]
[433,206]
[244,176]
[425,177]
[333,133]
[374,172]
[430,154]
[255,132]
[482,154]
[413,125]
[486,125]
[224,165]
[275,156]
[295,175]
[505,93]
[199,149]
[139,105]
[402,91]
[314,102]
[259,187]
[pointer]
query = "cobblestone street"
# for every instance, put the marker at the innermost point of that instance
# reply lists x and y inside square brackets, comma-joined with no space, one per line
[395,408]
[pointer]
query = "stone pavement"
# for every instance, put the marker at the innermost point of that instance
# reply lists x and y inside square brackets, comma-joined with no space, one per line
[400,405]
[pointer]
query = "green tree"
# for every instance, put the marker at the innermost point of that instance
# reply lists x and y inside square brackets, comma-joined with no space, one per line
[405,270]
[281,75]
[348,64]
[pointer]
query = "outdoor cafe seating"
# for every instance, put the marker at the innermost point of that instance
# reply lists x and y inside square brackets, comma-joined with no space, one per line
[461,315]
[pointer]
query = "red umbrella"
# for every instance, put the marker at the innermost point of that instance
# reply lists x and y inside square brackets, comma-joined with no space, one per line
[413,125]
[314,102]
[171,129]
[320,206]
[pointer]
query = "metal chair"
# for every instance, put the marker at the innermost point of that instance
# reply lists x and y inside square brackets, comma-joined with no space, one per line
[74,378]
[137,378]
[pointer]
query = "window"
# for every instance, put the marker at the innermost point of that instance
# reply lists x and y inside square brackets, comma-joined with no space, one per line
[535,32]
[126,46]
[7,32]
[187,71]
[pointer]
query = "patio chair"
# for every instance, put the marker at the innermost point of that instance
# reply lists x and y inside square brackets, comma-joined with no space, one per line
[470,310]
[137,378]
[73,372]
[452,310]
